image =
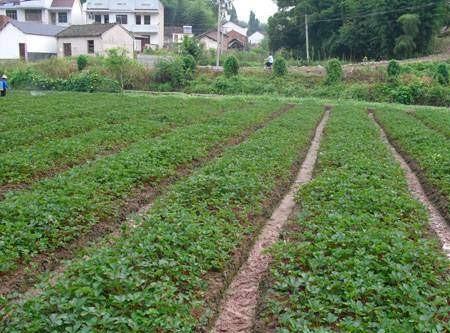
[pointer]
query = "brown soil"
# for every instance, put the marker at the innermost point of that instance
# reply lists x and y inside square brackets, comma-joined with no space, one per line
[437,221]
[238,309]
[22,279]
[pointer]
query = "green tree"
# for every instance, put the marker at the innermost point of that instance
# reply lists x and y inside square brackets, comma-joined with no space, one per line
[116,61]
[253,24]
[405,45]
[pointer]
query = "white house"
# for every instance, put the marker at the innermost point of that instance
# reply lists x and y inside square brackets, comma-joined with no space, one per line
[143,18]
[93,39]
[176,35]
[231,26]
[57,12]
[28,40]
[256,38]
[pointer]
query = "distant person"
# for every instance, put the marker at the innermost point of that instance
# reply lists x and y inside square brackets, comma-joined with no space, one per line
[3,85]
[269,62]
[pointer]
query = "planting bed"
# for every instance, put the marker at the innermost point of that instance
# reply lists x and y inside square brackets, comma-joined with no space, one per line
[428,152]
[437,119]
[156,277]
[358,257]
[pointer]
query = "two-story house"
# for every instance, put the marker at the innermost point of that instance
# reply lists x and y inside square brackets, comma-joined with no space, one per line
[56,12]
[143,18]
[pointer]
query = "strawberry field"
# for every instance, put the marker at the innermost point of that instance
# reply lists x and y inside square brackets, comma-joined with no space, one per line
[134,213]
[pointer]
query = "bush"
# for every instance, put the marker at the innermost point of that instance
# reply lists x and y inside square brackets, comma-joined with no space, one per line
[231,66]
[280,66]
[82,62]
[442,74]
[29,79]
[191,47]
[393,70]
[170,71]
[90,82]
[334,71]
[189,65]
[116,62]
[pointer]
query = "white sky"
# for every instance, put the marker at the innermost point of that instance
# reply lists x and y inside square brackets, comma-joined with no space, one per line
[262,8]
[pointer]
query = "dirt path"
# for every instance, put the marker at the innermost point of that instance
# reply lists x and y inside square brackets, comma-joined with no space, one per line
[237,313]
[437,221]
[139,202]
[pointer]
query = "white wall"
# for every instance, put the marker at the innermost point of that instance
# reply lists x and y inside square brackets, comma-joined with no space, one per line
[230,26]
[113,38]
[209,43]
[256,38]
[11,37]
[77,14]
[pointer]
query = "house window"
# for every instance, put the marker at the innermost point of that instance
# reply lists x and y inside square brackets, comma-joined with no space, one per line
[12,14]
[62,17]
[34,15]
[147,19]
[91,46]
[106,19]
[138,20]
[122,19]
[97,18]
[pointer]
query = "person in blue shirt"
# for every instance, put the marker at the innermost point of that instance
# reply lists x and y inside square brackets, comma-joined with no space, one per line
[3,85]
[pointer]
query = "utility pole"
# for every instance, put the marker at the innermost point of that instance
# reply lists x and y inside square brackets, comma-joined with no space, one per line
[219,33]
[307,37]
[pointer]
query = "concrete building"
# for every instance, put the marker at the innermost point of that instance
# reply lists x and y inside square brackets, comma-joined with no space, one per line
[28,41]
[231,26]
[93,39]
[143,18]
[56,12]
[256,39]
[230,41]
[176,35]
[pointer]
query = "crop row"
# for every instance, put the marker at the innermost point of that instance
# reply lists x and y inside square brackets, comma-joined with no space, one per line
[158,109]
[155,277]
[426,147]
[55,211]
[358,257]
[22,165]
[437,119]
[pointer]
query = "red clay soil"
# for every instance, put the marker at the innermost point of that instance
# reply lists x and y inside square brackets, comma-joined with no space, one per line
[22,279]
[436,220]
[238,309]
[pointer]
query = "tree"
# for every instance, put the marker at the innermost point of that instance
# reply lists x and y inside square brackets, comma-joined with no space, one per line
[233,15]
[253,24]
[116,61]
[353,29]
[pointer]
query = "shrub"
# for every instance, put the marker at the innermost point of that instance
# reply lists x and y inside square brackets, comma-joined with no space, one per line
[280,67]
[393,70]
[442,74]
[90,82]
[116,62]
[231,66]
[82,62]
[334,71]
[191,47]
[30,79]
[189,65]
[170,71]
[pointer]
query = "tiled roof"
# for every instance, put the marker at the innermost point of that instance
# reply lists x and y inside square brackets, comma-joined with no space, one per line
[86,30]
[33,28]
[4,20]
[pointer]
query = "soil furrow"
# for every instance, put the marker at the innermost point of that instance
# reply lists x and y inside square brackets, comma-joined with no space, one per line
[436,220]
[140,202]
[238,309]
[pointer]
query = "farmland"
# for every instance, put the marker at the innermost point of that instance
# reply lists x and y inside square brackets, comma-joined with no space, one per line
[134,213]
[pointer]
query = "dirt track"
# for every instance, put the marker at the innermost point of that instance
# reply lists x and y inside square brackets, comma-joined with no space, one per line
[437,221]
[237,313]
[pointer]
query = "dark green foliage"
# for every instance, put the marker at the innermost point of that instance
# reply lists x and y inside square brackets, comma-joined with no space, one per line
[170,71]
[280,66]
[442,74]
[201,14]
[393,70]
[253,24]
[82,62]
[354,29]
[189,65]
[231,66]
[191,47]
[334,71]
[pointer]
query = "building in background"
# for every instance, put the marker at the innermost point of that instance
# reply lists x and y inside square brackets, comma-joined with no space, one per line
[231,26]
[143,18]
[176,35]
[27,41]
[232,40]
[256,39]
[94,39]
[56,12]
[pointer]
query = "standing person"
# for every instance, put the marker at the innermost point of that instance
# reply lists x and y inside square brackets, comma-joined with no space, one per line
[3,85]
[269,62]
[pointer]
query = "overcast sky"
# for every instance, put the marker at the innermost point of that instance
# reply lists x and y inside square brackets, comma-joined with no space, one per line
[263,9]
